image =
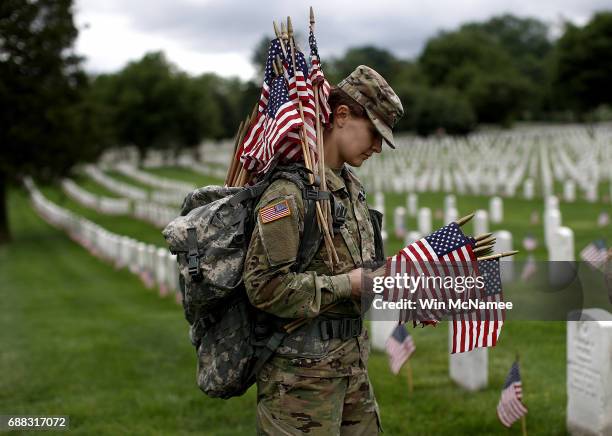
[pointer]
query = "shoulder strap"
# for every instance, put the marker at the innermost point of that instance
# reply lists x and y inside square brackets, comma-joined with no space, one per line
[311,236]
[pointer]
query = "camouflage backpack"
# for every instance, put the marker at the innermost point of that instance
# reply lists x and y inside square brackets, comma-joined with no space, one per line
[211,237]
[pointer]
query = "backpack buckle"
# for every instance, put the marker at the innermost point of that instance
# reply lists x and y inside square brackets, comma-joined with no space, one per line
[193,265]
[350,328]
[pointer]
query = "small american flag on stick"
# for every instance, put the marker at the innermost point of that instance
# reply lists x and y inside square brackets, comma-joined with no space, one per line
[595,254]
[276,118]
[400,347]
[510,407]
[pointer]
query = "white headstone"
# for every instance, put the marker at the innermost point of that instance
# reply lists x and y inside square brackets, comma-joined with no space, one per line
[591,193]
[450,215]
[142,256]
[424,221]
[379,201]
[528,189]
[552,202]
[399,222]
[469,370]
[450,202]
[161,271]
[413,204]
[503,242]
[589,374]
[569,191]
[381,330]
[496,210]
[481,222]
[552,221]
[562,245]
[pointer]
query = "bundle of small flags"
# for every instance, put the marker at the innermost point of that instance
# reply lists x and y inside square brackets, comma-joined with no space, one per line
[286,105]
[510,407]
[448,252]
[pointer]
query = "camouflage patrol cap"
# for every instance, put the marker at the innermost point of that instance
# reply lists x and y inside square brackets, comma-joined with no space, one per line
[372,91]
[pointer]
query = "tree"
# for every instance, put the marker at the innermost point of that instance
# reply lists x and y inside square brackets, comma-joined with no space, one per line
[583,64]
[47,125]
[380,59]
[474,63]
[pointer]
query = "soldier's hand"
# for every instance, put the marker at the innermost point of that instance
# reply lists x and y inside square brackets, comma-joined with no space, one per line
[355,278]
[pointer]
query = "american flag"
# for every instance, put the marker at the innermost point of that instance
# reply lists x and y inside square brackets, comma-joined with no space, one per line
[529,269]
[510,407]
[274,212]
[445,253]
[300,87]
[318,78]
[277,116]
[400,347]
[530,243]
[480,328]
[595,254]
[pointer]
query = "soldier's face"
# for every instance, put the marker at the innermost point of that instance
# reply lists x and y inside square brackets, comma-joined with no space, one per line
[359,140]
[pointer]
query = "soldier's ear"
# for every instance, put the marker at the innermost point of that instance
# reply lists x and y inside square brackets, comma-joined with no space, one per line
[341,115]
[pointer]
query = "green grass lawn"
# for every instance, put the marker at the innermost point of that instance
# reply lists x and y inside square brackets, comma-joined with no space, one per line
[83,339]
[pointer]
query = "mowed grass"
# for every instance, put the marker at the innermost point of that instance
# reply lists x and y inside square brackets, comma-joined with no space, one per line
[83,339]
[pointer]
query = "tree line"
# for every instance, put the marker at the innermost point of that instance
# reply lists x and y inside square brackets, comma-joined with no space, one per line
[54,115]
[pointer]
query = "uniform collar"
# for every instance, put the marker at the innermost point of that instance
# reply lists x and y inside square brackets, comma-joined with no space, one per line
[334,181]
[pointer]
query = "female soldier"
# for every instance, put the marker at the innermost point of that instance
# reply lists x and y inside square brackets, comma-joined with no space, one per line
[317,381]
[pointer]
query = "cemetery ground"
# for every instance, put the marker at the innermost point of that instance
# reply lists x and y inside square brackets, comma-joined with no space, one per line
[83,339]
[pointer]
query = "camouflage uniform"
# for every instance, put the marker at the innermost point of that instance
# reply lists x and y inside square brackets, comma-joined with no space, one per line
[312,385]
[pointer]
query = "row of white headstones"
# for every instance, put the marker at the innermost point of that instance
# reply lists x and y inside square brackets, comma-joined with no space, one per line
[157,214]
[498,163]
[559,240]
[156,266]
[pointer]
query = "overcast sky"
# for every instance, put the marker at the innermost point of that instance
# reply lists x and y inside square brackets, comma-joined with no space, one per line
[219,36]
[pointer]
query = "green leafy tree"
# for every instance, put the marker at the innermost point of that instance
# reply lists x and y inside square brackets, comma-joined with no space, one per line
[47,124]
[583,65]
[380,59]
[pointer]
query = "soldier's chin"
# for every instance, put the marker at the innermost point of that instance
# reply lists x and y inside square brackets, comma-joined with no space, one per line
[356,162]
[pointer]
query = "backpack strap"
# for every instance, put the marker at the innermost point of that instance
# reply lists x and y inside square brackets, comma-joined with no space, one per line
[311,235]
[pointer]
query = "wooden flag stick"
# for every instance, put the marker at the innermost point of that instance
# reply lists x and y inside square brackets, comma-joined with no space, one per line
[487,241]
[523,418]
[483,236]
[279,35]
[232,166]
[235,171]
[498,255]
[465,219]
[483,248]
[409,375]
[319,132]
[306,153]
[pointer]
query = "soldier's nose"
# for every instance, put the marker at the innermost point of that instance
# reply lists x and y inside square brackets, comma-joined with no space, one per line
[377,146]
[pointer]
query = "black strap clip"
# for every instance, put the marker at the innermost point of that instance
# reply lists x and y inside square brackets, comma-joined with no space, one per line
[350,328]
[193,256]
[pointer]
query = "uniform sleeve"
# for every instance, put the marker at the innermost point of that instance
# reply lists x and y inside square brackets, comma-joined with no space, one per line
[269,281]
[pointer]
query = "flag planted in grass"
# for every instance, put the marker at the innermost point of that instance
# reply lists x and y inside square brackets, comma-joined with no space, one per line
[595,254]
[510,407]
[400,347]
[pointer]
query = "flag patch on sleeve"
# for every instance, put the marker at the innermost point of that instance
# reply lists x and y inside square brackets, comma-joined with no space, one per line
[274,211]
